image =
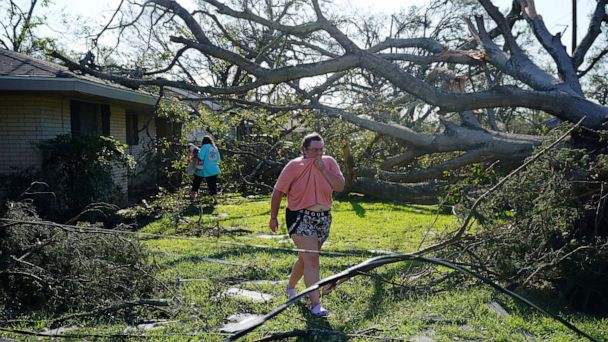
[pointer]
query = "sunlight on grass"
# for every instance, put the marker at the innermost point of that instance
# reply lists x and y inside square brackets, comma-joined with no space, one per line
[357,224]
[236,232]
[212,249]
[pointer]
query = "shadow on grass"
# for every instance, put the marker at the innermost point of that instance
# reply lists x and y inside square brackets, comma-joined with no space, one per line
[200,258]
[376,304]
[359,210]
[355,202]
[379,293]
[195,208]
[246,255]
[319,328]
[547,299]
[199,230]
[275,253]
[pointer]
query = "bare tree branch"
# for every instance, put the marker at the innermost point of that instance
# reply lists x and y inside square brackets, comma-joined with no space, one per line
[592,34]
[593,62]
[553,46]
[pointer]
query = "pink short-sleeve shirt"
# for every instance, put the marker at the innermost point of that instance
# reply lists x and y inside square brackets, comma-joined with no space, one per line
[304,184]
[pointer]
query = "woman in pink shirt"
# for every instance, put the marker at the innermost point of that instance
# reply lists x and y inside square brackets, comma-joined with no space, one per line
[308,182]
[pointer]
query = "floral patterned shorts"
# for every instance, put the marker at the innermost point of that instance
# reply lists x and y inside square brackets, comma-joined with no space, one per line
[306,223]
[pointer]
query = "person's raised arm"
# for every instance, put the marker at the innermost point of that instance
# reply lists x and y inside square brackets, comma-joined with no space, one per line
[336,181]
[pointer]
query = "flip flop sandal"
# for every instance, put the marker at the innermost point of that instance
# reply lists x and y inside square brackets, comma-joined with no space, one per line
[290,293]
[319,311]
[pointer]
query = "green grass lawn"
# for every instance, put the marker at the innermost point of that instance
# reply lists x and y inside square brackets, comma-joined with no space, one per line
[364,308]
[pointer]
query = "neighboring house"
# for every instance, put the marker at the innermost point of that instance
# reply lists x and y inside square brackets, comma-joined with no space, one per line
[40,100]
[195,102]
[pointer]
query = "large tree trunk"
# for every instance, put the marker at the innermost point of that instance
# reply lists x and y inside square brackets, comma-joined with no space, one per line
[423,193]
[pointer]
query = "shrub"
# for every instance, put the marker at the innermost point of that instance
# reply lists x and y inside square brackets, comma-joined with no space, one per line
[79,170]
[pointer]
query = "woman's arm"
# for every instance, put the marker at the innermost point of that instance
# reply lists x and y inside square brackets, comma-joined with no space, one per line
[275,204]
[202,152]
[336,181]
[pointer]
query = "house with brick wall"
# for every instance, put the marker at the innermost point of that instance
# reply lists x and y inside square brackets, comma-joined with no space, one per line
[40,100]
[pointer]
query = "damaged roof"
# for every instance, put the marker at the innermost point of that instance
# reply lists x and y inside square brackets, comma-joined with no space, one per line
[19,72]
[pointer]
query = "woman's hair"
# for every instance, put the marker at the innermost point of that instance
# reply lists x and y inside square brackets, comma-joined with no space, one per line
[314,136]
[207,140]
[192,147]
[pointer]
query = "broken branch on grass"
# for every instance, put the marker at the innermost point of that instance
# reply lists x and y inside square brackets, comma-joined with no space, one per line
[101,208]
[30,192]
[458,234]
[373,263]
[279,336]
[101,311]
[74,336]
[23,274]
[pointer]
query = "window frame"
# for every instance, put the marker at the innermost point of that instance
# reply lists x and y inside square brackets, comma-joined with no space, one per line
[99,113]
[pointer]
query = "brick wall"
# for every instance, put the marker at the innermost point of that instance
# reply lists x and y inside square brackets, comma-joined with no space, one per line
[26,120]
[29,118]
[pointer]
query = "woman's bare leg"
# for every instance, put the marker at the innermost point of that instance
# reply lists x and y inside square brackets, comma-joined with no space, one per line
[310,261]
[297,271]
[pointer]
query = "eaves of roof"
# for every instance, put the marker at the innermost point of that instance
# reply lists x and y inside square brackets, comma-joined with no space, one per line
[77,85]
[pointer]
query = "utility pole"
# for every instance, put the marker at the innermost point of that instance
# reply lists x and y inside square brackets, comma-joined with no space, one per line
[573,25]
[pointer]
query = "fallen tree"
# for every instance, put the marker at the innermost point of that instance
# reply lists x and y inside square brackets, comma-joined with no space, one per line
[264,50]
[430,96]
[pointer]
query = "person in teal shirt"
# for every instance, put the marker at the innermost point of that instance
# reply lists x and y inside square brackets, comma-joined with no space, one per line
[210,157]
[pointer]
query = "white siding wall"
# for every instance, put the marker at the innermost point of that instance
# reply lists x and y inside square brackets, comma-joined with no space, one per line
[118,131]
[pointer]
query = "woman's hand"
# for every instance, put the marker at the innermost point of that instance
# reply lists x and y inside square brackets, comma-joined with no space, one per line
[320,164]
[273,224]
[336,181]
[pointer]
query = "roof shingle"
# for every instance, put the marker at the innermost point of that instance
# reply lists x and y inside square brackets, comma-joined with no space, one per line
[17,64]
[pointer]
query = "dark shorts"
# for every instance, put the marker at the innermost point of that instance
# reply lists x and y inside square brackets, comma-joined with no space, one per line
[306,223]
[211,183]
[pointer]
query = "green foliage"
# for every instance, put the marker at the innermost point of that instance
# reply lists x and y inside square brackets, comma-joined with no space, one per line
[391,302]
[21,25]
[394,301]
[45,267]
[245,138]
[546,226]
[170,205]
[598,86]
[80,169]
[171,148]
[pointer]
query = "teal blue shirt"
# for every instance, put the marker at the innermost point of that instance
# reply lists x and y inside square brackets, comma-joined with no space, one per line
[210,156]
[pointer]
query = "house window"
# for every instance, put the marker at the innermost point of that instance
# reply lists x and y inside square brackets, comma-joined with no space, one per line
[132,133]
[89,118]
